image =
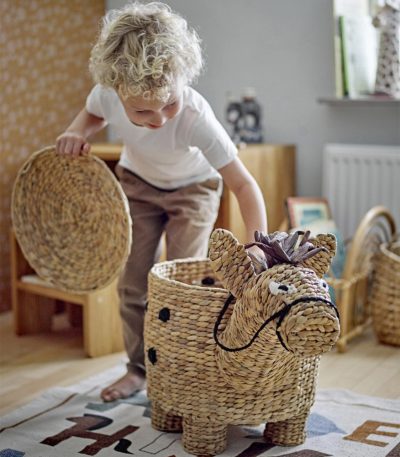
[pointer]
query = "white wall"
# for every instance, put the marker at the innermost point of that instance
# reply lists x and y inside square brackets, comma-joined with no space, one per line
[284,49]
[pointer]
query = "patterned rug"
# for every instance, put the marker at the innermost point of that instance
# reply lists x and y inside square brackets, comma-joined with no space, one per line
[69,422]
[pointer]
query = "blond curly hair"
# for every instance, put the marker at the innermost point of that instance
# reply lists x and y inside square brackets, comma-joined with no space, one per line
[144,50]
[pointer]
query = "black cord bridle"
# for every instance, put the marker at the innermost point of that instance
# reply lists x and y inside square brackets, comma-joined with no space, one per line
[280,315]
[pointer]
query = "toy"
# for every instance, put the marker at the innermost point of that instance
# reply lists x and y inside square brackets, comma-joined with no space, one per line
[388,72]
[245,118]
[213,362]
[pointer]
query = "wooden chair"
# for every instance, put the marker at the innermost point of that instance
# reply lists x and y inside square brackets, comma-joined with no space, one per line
[34,305]
[353,288]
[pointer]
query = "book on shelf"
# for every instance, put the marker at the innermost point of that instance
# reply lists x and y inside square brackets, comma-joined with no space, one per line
[339,88]
[359,53]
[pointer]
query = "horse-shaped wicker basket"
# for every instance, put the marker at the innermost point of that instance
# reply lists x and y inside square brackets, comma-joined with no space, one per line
[246,354]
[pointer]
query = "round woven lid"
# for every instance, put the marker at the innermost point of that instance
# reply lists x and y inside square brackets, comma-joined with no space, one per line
[71,219]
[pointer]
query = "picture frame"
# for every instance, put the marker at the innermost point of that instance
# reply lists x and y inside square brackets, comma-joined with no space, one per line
[304,210]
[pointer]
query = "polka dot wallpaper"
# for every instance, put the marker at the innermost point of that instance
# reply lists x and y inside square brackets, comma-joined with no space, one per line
[44,50]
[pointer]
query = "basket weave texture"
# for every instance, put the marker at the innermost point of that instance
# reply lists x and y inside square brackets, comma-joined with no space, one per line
[198,386]
[385,294]
[71,219]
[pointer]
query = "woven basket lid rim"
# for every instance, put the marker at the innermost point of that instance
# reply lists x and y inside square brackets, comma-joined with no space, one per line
[40,211]
[156,271]
[387,250]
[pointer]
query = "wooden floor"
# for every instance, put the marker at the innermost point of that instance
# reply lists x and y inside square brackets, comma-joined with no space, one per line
[32,364]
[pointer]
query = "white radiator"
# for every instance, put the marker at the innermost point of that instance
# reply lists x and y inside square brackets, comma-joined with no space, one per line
[358,177]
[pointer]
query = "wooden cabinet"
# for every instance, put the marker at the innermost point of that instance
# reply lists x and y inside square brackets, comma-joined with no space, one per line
[34,302]
[273,167]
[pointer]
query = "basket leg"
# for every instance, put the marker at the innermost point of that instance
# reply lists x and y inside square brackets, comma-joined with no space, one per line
[164,421]
[341,345]
[204,438]
[290,432]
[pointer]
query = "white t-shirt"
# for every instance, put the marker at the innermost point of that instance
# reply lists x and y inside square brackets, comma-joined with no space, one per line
[189,148]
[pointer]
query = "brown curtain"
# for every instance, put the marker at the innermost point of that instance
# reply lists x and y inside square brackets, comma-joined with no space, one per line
[44,51]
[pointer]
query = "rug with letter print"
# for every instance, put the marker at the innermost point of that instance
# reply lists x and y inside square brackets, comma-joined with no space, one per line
[74,421]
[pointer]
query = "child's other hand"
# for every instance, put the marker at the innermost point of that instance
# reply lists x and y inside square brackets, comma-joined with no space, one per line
[72,144]
[258,258]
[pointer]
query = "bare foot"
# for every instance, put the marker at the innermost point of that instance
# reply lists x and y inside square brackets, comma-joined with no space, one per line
[124,387]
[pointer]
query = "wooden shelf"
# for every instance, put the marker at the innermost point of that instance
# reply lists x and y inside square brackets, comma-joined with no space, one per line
[266,162]
[361,101]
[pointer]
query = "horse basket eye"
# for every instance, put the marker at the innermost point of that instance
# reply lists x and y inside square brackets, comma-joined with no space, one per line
[324,284]
[276,288]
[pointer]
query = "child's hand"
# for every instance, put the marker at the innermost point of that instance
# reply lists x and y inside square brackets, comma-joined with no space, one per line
[258,258]
[72,144]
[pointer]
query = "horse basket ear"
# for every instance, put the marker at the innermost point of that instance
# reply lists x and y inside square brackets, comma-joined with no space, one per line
[321,262]
[230,261]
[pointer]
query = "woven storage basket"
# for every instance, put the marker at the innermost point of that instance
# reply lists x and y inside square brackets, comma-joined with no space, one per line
[385,294]
[71,219]
[193,387]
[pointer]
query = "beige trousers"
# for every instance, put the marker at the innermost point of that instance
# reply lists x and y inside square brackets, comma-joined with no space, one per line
[187,216]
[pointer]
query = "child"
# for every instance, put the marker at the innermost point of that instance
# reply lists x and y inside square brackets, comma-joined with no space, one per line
[175,153]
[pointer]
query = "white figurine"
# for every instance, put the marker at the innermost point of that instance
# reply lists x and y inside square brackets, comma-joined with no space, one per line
[388,71]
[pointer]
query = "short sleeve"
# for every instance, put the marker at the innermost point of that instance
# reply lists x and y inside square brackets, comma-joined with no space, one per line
[212,139]
[94,102]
